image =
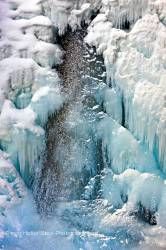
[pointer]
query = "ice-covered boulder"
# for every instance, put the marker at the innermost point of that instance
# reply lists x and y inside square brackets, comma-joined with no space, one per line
[41,27]
[44,103]
[5,50]
[23,9]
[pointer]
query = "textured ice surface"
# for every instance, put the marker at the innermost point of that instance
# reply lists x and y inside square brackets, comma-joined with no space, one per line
[12,189]
[72,13]
[135,64]
[29,89]
[121,150]
[29,92]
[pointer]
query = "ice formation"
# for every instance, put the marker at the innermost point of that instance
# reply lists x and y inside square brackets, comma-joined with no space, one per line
[121,150]
[131,37]
[70,13]
[30,89]
[12,189]
[135,64]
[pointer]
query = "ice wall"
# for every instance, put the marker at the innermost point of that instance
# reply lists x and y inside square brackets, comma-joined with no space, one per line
[29,88]
[135,63]
[121,150]
[70,13]
[131,176]
[131,37]
[121,12]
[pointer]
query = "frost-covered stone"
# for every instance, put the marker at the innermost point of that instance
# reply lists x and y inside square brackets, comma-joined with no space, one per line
[24,9]
[41,27]
[5,50]
[17,74]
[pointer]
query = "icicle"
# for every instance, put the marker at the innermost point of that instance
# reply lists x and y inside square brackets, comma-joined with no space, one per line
[45,102]
[121,151]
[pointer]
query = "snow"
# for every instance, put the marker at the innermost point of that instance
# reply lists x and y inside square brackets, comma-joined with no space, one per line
[135,64]
[29,88]
[135,156]
[47,55]
[45,101]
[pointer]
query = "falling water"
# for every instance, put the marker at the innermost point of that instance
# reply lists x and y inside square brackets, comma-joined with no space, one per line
[73,154]
[69,185]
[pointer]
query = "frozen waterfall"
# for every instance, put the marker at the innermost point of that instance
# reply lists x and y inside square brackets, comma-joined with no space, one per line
[82,124]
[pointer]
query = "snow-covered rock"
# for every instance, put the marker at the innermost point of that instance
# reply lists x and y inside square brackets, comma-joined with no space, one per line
[132,189]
